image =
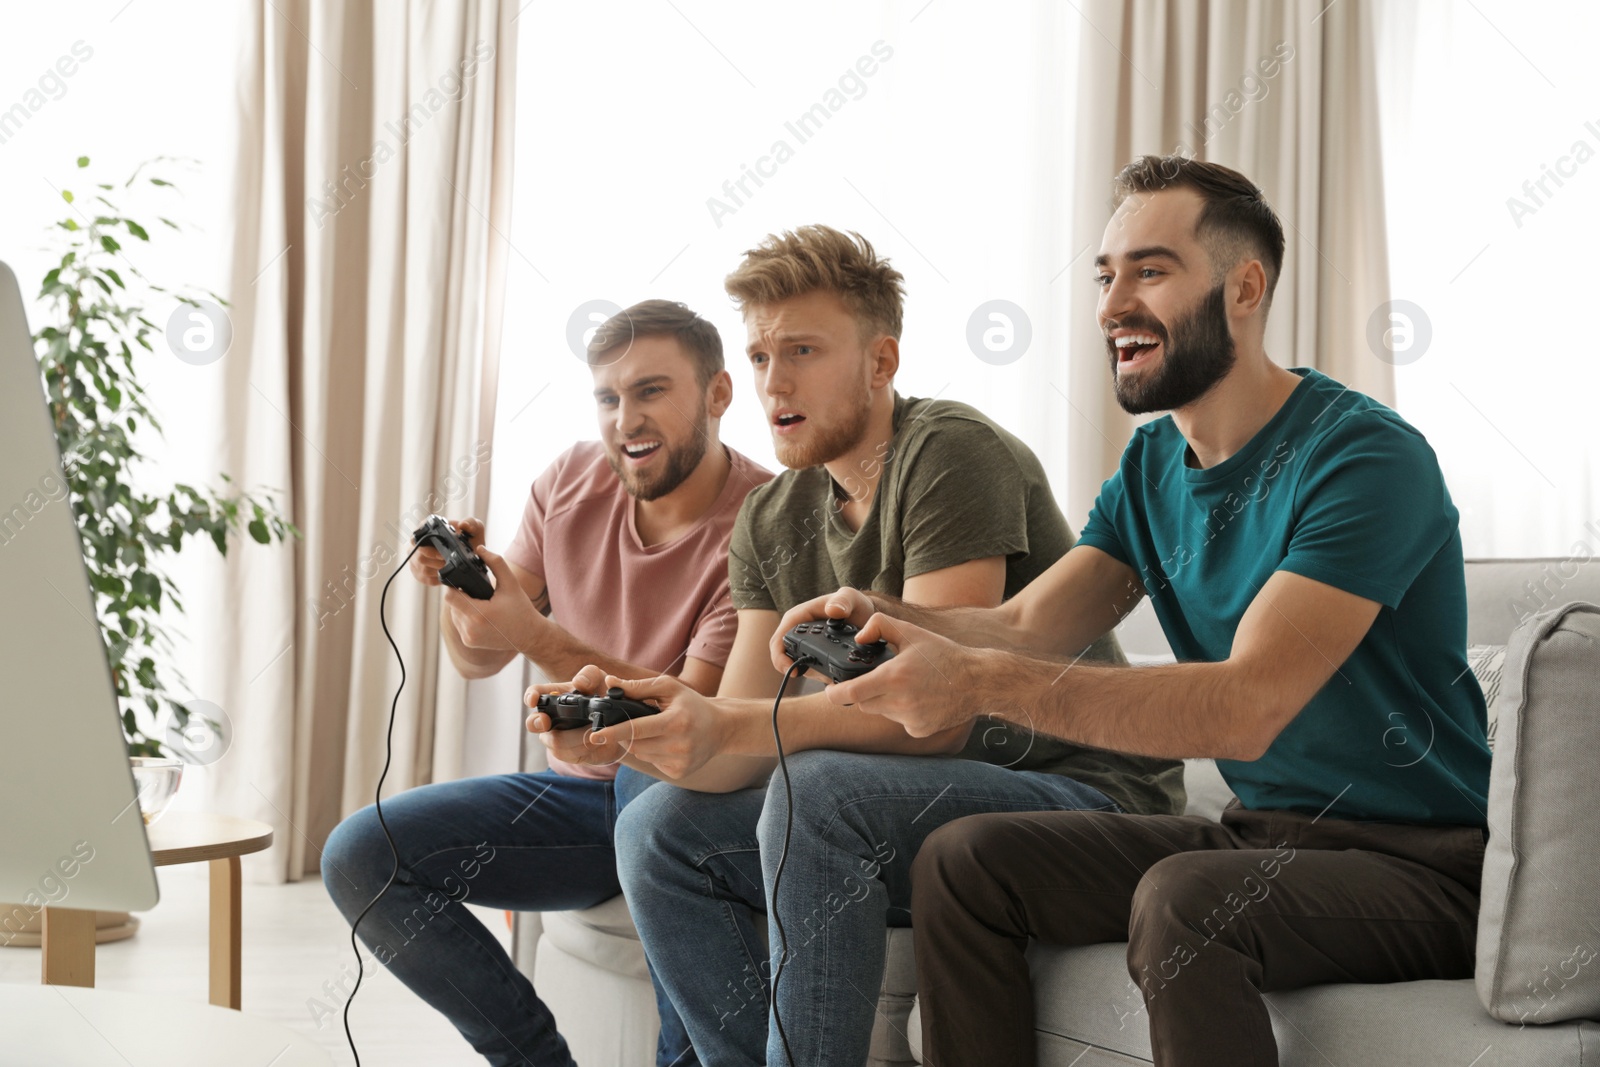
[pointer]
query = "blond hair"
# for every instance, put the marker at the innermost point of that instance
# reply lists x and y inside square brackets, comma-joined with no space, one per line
[816,257]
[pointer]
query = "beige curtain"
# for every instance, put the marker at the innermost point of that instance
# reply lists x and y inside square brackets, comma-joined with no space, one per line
[367,278]
[1284,91]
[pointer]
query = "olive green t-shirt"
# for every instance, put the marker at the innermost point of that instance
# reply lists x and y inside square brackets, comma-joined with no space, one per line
[954,487]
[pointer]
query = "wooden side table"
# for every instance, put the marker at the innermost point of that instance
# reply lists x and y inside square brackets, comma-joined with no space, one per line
[177,837]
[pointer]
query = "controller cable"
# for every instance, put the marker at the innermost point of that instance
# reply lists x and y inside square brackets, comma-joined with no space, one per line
[796,670]
[377,800]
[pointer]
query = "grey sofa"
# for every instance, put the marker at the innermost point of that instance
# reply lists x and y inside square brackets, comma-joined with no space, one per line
[1088,1013]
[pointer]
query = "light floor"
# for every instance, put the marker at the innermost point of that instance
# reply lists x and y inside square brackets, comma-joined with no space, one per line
[294,942]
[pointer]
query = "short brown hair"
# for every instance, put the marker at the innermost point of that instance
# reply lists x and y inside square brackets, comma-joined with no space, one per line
[661,318]
[816,257]
[1236,219]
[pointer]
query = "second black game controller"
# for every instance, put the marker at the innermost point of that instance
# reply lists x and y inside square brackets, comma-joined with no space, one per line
[574,711]
[830,646]
[462,568]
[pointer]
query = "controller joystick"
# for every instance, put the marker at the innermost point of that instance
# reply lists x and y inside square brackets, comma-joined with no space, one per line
[831,647]
[567,711]
[574,711]
[462,569]
[614,708]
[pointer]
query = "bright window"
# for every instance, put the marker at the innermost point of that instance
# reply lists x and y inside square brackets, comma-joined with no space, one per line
[1491,129]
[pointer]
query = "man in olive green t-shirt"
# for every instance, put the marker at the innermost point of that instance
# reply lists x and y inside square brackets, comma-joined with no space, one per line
[923,499]
[954,487]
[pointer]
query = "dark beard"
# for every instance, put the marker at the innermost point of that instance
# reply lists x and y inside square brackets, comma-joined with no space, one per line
[681,462]
[1196,355]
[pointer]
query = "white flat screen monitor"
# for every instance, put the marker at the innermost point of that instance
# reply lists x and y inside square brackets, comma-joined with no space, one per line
[70,829]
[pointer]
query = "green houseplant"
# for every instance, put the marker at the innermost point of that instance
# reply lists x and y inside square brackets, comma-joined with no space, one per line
[90,353]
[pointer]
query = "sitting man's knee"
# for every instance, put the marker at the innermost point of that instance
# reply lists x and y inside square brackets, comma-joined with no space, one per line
[819,781]
[646,825]
[1186,901]
[351,850]
[962,860]
[955,852]
[951,861]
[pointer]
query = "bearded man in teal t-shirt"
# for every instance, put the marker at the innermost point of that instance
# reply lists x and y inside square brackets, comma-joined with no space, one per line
[1302,554]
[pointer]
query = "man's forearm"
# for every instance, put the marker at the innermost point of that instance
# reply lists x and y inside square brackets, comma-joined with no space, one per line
[1178,710]
[749,751]
[470,662]
[812,721]
[972,627]
[560,655]
[720,774]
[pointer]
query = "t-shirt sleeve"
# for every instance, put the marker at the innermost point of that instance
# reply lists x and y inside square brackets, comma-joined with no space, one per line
[1101,529]
[963,498]
[747,587]
[714,631]
[526,549]
[1371,509]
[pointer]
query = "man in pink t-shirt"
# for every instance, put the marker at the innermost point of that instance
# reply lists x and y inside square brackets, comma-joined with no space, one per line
[621,559]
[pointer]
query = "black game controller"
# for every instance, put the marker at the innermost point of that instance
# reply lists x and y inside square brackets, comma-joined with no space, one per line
[462,568]
[830,646]
[573,711]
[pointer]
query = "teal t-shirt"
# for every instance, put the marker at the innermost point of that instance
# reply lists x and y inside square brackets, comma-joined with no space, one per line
[1340,489]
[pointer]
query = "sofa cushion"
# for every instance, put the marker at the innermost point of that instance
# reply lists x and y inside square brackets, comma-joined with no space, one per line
[1538,942]
[1086,1005]
[603,935]
[1207,791]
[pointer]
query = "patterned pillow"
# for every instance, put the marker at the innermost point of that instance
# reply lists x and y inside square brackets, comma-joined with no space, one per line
[1487,661]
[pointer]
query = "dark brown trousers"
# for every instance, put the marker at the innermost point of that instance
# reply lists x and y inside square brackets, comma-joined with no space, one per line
[1214,915]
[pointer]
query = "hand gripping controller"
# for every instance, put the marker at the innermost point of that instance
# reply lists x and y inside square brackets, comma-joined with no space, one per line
[830,646]
[462,568]
[573,711]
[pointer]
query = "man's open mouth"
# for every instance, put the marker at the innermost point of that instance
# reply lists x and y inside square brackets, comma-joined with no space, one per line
[639,451]
[787,420]
[1133,347]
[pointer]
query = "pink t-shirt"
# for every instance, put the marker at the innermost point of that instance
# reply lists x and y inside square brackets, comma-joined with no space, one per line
[651,606]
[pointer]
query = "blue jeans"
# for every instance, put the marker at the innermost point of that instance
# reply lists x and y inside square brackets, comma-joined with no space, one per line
[530,842]
[697,869]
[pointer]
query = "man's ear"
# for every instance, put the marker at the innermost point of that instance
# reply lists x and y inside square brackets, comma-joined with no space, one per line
[885,353]
[1247,289]
[719,394]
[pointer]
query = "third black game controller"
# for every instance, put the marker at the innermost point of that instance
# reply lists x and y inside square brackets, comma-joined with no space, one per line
[573,711]
[830,646]
[462,568]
